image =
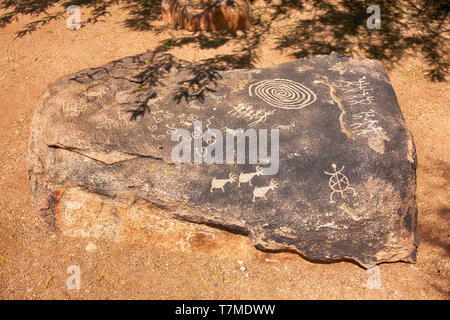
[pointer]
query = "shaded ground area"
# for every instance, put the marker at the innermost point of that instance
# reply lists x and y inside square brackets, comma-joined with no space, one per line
[34,259]
[307,27]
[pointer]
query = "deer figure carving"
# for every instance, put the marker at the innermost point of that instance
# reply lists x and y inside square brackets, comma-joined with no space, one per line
[247,177]
[260,192]
[220,183]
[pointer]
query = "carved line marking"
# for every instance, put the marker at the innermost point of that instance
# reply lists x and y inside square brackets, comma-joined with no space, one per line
[366,124]
[283,93]
[183,243]
[208,122]
[362,95]
[160,117]
[250,114]
[95,94]
[209,234]
[340,105]
[285,127]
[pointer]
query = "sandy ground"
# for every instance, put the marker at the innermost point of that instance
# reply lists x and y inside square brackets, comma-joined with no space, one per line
[34,259]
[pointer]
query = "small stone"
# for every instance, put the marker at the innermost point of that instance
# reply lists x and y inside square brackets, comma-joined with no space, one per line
[91,247]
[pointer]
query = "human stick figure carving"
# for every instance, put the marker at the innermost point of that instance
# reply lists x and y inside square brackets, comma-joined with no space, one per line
[220,183]
[338,182]
[260,192]
[247,177]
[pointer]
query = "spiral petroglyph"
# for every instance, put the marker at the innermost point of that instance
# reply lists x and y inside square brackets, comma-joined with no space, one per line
[283,93]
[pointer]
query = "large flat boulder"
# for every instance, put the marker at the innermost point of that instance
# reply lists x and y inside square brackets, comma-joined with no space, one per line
[153,134]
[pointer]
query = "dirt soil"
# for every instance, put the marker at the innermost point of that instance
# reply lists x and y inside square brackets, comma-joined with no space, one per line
[34,258]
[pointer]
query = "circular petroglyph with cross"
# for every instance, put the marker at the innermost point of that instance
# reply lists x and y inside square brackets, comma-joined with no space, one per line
[283,93]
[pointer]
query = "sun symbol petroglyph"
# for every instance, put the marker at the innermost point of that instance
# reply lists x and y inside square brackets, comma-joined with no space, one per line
[338,183]
[283,93]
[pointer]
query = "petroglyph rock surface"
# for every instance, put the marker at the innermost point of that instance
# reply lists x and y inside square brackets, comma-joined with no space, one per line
[340,185]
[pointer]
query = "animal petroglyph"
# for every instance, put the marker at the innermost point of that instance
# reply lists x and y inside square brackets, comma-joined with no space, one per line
[234,132]
[338,183]
[366,124]
[260,192]
[285,127]
[250,114]
[158,137]
[220,183]
[247,177]
[96,94]
[355,86]
[361,93]
[283,93]
[208,234]
[75,108]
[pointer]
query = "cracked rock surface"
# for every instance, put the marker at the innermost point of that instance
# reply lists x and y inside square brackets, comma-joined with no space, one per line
[101,149]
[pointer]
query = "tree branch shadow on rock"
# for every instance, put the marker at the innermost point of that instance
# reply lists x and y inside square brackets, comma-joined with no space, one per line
[309,27]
